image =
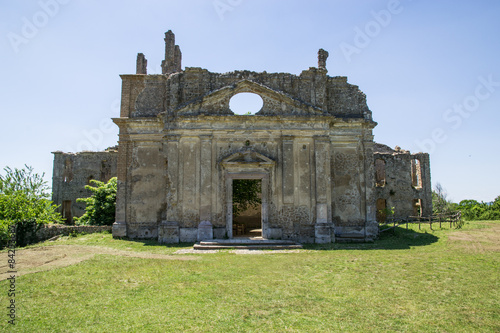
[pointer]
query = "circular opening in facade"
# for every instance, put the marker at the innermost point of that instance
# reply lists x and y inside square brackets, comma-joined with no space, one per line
[246,103]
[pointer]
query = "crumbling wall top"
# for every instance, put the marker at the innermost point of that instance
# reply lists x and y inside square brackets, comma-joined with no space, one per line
[173,55]
[150,95]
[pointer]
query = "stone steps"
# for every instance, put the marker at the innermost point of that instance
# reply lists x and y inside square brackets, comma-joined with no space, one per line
[247,244]
[350,238]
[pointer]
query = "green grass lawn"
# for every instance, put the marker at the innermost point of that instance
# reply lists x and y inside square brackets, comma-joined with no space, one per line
[443,280]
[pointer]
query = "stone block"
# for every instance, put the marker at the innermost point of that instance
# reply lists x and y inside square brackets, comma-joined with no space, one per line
[168,232]
[220,233]
[307,234]
[119,229]
[147,231]
[372,230]
[274,233]
[205,231]
[188,235]
[322,233]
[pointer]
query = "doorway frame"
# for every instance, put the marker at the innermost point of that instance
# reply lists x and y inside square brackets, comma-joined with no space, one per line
[264,178]
[247,164]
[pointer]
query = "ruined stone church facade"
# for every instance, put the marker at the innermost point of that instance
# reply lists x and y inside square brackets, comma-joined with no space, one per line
[181,147]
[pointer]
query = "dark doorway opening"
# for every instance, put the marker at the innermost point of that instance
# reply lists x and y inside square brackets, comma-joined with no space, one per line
[247,208]
[381,210]
[66,212]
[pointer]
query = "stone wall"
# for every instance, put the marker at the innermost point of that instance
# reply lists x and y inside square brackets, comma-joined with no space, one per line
[403,181]
[149,95]
[72,171]
[49,231]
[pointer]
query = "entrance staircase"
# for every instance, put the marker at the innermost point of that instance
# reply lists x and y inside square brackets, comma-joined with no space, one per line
[247,243]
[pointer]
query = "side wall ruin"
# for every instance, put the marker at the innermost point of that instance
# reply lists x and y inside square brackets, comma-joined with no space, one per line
[402,183]
[398,182]
[72,171]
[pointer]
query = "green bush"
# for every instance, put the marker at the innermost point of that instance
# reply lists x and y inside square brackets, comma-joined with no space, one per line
[24,201]
[4,233]
[26,232]
[24,196]
[101,206]
[474,210]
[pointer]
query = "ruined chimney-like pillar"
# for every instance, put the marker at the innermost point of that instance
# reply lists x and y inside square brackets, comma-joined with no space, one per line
[177,59]
[173,55]
[322,56]
[142,64]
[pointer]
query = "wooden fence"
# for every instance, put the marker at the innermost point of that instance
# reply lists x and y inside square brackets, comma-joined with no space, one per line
[452,219]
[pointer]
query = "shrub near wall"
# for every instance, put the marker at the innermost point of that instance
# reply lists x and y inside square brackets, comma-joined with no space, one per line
[25,204]
[101,206]
[24,232]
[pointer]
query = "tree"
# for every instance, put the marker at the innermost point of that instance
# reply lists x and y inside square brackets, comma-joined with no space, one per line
[101,206]
[24,196]
[440,203]
[474,210]
[496,203]
[245,194]
[25,201]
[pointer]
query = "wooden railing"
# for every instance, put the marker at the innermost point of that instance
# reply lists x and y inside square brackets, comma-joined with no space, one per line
[452,219]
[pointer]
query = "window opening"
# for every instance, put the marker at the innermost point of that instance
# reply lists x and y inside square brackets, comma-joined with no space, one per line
[68,170]
[416,173]
[379,172]
[66,211]
[246,104]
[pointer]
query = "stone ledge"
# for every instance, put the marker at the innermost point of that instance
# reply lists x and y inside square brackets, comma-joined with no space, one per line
[51,230]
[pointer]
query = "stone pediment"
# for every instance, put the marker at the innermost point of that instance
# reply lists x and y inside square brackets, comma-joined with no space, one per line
[275,103]
[247,158]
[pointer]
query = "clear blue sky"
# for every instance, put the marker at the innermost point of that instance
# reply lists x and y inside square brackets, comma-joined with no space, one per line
[430,69]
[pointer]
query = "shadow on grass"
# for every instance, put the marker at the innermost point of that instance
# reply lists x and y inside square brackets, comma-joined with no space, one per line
[394,239]
[153,242]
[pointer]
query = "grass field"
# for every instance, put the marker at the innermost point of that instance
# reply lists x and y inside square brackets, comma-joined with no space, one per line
[442,280]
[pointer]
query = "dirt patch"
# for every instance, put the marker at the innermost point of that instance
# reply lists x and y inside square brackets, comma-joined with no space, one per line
[40,259]
[478,240]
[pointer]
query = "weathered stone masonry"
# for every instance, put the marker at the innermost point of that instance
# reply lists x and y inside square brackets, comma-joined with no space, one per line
[180,148]
[72,171]
[402,181]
